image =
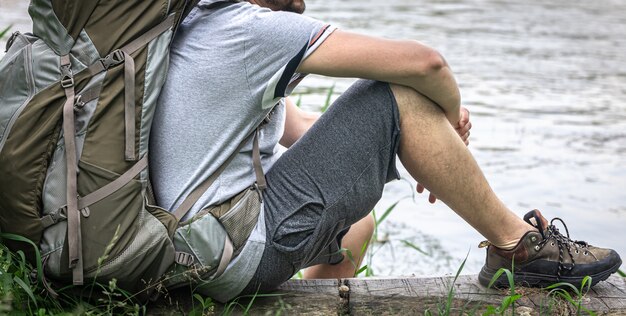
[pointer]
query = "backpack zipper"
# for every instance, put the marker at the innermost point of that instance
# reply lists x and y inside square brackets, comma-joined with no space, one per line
[31,91]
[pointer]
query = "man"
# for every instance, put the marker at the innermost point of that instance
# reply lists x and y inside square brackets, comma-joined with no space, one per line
[232,65]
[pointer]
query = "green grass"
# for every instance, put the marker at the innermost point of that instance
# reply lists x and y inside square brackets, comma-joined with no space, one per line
[5,31]
[564,291]
[22,290]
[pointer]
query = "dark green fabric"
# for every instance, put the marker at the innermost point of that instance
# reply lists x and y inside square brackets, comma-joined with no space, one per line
[166,218]
[132,18]
[73,15]
[104,142]
[118,209]
[24,160]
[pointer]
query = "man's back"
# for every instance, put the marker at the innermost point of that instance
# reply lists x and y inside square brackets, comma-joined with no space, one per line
[227,72]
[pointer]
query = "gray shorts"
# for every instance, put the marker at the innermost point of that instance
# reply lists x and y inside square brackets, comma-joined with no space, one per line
[331,178]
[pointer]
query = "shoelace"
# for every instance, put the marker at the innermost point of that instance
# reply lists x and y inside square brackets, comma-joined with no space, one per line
[552,232]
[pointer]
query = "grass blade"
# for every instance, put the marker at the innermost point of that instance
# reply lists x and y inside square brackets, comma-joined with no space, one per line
[363,268]
[329,95]
[37,253]
[451,291]
[411,245]
[562,284]
[26,288]
[496,276]
[5,31]
[387,212]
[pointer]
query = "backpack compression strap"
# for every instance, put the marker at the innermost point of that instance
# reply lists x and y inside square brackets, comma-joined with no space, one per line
[74,238]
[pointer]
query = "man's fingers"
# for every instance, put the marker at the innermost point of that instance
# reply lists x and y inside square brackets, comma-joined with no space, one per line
[465,136]
[464,117]
[464,129]
[432,198]
[420,188]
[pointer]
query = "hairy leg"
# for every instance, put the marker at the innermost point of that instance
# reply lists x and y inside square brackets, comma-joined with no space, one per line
[435,156]
[359,234]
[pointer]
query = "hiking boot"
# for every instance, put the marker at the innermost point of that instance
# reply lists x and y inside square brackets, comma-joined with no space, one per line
[545,257]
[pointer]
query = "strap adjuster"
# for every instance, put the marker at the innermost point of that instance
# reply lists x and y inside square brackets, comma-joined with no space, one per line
[184,258]
[116,57]
[67,78]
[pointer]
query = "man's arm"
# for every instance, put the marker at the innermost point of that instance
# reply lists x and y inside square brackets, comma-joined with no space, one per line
[297,123]
[408,63]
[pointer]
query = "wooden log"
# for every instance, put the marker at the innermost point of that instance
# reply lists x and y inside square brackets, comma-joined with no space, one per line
[402,296]
[295,297]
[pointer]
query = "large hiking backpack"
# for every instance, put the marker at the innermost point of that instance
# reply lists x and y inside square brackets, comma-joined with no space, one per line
[77,99]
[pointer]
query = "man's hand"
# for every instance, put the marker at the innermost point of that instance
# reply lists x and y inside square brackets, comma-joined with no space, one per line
[463,129]
[464,126]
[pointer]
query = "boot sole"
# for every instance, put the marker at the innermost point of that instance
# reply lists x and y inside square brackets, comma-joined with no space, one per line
[529,279]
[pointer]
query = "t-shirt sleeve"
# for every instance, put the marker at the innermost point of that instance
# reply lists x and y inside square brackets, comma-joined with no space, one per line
[276,44]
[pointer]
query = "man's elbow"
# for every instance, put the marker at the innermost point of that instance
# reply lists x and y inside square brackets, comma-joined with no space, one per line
[426,61]
[433,63]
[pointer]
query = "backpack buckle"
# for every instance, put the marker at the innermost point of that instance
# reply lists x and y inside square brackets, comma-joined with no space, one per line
[184,259]
[67,78]
[116,57]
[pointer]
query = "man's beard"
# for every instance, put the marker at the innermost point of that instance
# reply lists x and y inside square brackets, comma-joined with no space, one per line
[287,5]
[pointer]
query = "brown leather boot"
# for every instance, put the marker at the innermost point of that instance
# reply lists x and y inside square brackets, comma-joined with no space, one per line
[545,257]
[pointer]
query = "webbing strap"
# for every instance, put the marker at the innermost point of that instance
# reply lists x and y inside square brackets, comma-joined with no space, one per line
[256,162]
[113,186]
[87,96]
[136,44]
[129,107]
[74,239]
[227,255]
[53,217]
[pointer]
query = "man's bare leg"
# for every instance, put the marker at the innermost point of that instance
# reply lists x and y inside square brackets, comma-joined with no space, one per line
[435,156]
[359,234]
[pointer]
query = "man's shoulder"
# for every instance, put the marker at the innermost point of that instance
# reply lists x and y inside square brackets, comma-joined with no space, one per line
[244,15]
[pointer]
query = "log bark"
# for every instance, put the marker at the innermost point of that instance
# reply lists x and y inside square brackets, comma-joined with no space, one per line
[402,296]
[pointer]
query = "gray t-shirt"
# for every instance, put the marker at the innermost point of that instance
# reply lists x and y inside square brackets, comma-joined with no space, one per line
[230,66]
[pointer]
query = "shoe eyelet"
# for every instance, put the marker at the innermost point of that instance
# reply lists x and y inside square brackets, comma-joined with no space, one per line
[586,253]
[552,244]
[537,248]
[533,238]
[577,252]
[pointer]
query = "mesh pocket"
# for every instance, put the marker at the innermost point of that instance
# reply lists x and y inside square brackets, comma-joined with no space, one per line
[241,218]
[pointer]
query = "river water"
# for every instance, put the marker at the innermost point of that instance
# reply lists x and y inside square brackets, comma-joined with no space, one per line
[545,82]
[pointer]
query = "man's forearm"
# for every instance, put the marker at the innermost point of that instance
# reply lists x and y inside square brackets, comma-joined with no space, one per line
[408,63]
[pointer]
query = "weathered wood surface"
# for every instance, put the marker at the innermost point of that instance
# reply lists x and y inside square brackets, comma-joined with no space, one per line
[402,296]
